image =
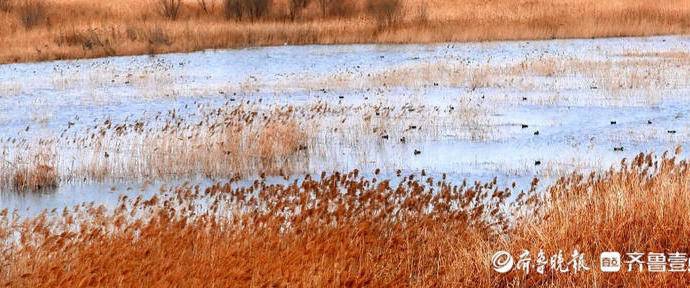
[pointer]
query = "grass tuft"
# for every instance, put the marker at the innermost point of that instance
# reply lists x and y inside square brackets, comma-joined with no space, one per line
[36,179]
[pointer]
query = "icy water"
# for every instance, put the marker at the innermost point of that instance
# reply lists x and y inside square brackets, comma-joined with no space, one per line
[579,122]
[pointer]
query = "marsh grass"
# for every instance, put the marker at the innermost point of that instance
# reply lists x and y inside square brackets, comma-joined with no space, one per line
[6,5]
[222,141]
[258,22]
[613,81]
[394,232]
[31,168]
[386,12]
[244,139]
[31,13]
[345,229]
[36,179]
[170,8]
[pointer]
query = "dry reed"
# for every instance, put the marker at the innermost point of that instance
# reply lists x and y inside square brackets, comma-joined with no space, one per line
[197,26]
[242,139]
[346,230]
[40,178]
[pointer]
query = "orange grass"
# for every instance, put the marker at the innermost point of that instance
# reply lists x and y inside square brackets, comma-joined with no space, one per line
[67,29]
[39,178]
[345,230]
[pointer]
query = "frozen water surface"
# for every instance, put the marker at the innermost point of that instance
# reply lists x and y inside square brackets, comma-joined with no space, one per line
[645,94]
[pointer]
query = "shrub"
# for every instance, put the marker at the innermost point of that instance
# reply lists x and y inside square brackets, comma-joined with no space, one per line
[133,34]
[90,39]
[170,8]
[232,9]
[336,7]
[246,9]
[386,12]
[257,8]
[341,8]
[32,13]
[157,36]
[296,6]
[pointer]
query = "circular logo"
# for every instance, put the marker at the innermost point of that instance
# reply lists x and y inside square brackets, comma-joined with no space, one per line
[502,262]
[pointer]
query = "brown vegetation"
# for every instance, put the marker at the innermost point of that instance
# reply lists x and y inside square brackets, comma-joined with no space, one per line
[5,5]
[33,30]
[31,13]
[179,144]
[386,12]
[243,139]
[30,169]
[346,230]
[170,8]
[39,178]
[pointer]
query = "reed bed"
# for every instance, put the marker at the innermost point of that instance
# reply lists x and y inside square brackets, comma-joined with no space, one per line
[33,30]
[613,78]
[238,140]
[246,138]
[616,80]
[343,229]
[29,167]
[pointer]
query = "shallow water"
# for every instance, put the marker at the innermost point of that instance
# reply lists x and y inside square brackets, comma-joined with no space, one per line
[575,130]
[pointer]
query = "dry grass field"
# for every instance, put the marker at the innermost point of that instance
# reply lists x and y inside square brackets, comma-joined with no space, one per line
[350,230]
[34,30]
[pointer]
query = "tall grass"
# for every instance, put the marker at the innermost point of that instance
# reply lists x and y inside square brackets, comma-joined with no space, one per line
[6,5]
[33,168]
[43,177]
[386,12]
[346,230]
[170,8]
[246,9]
[198,26]
[245,140]
[296,7]
[31,13]
[224,145]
